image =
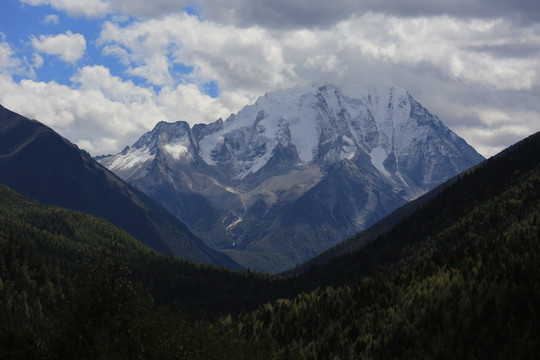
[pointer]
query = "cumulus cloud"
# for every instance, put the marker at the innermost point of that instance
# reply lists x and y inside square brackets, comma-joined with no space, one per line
[444,44]
[474,63]
[69,47]
[9,63]
[103,113]
[253,59]
[248,60]
[186,102]
[85,115]
[37,61]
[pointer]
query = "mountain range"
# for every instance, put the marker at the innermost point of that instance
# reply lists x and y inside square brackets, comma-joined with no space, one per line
[40,164]
[456,277]
[296,172]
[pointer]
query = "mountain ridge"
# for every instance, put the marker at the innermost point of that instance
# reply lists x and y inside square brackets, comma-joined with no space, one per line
[457,278]
[37,162]
[243,173]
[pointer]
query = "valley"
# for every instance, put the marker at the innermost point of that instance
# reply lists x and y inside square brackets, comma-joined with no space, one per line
[456,277]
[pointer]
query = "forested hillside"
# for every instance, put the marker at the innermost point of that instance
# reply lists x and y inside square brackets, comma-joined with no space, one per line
[460,278]
[74,286]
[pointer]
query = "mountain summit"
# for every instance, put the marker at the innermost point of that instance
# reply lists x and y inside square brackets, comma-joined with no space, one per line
[297,171]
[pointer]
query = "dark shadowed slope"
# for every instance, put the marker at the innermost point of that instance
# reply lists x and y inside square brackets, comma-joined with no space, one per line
[383,226]
[476,192]
[511,157]
[37,162]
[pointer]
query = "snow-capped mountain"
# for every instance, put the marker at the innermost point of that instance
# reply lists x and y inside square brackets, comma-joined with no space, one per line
[297,171]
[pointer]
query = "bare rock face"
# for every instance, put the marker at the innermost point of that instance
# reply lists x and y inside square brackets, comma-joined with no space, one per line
[296,172]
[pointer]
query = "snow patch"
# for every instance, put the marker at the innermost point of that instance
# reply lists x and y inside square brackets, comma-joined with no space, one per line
[133,158]
[210,143]
[349,148]
[378,155]
[176,150]
[233,224]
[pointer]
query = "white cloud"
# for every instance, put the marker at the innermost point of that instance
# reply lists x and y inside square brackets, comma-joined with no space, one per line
[327,63]
[8,62]
[255,60]
[51,19]
[475,66]
[37,61]
[444,44]
[104,113]
[69,47]
[186,102]
[85,115]
[244,59]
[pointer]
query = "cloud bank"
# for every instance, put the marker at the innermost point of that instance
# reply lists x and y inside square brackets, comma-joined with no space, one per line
[473,63]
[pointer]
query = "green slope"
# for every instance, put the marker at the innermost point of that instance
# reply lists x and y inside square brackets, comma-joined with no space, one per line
[74,286]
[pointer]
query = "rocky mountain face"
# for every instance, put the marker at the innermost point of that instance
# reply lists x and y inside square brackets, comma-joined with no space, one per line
[296,172]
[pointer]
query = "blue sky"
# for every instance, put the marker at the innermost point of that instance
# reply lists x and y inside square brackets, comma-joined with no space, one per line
[102,72]
[21,23]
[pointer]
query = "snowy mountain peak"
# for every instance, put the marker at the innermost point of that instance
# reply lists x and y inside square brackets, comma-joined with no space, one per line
[324,123]
[164,132]
[306,167]
[167,139]
[318,124]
